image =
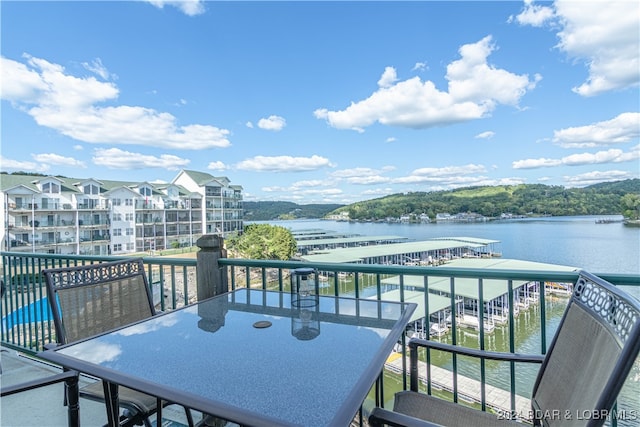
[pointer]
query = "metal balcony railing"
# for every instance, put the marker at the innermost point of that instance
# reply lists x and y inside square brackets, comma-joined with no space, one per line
[521,319]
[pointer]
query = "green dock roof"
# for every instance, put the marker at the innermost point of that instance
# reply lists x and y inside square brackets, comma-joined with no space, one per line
[361,253]
[436,302]
[468,287]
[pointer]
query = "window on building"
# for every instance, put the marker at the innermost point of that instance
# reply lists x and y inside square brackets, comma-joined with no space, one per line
[117,247]
[128,217]
[91,189]
[117,231]
[117,217]
[130,246]
[129,231]
[50,188]
[145,191]
[128,202]
[116,202]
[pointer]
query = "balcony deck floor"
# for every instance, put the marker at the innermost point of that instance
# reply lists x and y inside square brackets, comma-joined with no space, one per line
[43,407]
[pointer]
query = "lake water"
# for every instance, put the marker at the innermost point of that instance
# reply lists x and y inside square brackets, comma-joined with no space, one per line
[573,241]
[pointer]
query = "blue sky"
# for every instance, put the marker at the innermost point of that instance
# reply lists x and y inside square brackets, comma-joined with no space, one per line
[323,102]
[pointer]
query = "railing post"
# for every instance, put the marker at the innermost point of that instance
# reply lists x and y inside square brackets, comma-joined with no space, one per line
[211,277]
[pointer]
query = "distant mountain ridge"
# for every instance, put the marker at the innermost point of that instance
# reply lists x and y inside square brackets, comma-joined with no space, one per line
[267,211]
[620,197]
[609,198]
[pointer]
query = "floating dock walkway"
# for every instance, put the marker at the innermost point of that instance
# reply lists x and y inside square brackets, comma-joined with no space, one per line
[468,389]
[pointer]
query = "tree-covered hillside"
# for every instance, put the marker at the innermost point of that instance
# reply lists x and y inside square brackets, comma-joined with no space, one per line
[266,211]
[621,197]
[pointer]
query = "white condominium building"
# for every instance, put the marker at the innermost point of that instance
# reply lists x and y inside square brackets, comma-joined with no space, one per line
[49,214]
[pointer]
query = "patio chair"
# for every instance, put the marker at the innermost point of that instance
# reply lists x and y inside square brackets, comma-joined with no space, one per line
[580,377]
[96,298]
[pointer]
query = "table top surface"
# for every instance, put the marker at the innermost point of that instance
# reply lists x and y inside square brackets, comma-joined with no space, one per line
[252,356]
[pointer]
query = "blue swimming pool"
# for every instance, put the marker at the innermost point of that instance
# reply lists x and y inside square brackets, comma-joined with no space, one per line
[35,312]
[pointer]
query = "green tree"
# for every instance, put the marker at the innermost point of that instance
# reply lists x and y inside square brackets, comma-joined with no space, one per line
[631,206]
[263,241]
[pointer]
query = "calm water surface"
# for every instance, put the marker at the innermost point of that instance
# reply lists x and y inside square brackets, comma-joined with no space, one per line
[572,241]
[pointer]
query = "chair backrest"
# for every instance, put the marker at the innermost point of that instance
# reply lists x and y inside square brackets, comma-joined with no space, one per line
[589,358]
[91,299]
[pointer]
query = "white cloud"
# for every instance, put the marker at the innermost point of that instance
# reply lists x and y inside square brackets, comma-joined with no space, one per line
[217,165]
[98,68]
[249,125]
[368,180]
[70,105]
[420,66]
[533,14]
[388,78]
[58,160]
[535,163]
[354,172]
[284,164]
[188,7]
[275,123]
[78,147]
[621,129]
[309,183]
[307,191]
[602,34]
[447,176]
[363,176]
[610,156]
[450,171]
[612,51]
[17,165]
[475,88]
[391,139]
[485,135]
[597,177]
[114,158]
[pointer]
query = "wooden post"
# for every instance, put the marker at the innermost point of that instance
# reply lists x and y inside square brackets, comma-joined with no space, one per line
[211,277]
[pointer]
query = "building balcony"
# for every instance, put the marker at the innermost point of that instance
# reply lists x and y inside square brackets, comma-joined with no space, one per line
[93,206]
[520,315]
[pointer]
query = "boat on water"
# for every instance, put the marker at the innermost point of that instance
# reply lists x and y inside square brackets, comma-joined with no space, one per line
[607,220]
[438,329]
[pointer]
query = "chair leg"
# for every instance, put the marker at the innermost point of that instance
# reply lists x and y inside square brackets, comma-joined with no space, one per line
[73,400]
[111,402]
[189,416]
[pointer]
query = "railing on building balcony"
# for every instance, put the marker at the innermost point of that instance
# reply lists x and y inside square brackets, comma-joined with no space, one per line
[532,301]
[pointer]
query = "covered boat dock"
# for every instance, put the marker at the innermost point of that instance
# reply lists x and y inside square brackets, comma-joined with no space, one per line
[437,311]
[306,246]
[495,301]
[425,252]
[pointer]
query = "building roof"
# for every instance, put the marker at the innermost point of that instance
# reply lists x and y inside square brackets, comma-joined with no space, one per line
[468,287]
[8,181]
[358,254]
[343,240]
[436,302]
[469,240]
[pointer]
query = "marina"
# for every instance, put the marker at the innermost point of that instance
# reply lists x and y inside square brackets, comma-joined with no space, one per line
[425,252]
[438,307]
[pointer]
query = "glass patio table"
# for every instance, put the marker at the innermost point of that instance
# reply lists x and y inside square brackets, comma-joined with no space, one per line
[251,356]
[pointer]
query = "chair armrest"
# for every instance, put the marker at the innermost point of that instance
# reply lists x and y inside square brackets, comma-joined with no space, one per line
[414,343]
[382,417]
[51,345]
[37,383]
